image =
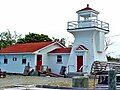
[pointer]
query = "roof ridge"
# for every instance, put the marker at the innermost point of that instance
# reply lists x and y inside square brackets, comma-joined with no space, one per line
[61,50]
[34,42]
[25,47]
[87,8]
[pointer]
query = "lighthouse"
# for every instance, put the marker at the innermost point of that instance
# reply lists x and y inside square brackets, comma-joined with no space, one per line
[89,44]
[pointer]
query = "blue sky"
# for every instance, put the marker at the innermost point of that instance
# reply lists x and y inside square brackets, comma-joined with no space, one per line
[50,17]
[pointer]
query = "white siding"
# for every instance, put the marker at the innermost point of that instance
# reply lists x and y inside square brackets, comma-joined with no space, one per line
[16,66]
[93,40]
[100,38]
[86,39]
[56,67]
[44,52]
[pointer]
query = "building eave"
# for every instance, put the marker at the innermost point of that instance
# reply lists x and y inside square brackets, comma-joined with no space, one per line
[58,53]
[49,46]
[85,28]
[16,53]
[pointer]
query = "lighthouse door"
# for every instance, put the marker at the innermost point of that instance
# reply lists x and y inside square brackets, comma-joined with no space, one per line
[79,63]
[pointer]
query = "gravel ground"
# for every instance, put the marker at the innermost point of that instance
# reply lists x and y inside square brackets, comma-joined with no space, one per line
[12,80]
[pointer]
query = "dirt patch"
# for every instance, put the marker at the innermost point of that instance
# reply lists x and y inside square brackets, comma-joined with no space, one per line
[12,80]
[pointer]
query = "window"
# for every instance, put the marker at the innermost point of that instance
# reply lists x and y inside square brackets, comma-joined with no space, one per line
[24,61]
[5,60]
[59,59]
[14,59]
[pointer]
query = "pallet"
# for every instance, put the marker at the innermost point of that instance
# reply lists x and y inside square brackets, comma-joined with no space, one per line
[105,87]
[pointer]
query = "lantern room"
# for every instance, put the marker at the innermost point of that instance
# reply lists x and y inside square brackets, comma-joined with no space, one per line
[87,18]
[87,14]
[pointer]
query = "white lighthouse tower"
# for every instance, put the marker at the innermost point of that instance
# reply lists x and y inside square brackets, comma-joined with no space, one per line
[89,33]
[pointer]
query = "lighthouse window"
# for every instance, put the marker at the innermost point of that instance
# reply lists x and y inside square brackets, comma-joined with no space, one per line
[59,59]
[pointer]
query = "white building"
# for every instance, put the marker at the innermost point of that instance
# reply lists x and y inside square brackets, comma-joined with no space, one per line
[89,33]
[13,59]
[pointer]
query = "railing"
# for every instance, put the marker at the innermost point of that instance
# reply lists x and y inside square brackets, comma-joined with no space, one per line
[88,23]
[83,67]
[70,66]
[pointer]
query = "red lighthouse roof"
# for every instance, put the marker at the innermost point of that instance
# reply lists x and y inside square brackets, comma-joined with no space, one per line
[87,8]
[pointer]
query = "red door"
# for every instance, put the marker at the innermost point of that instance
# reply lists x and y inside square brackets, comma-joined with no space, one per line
[39,62]
[79,63]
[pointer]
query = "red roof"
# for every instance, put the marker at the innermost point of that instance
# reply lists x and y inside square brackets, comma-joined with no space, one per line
[61,50]
[87,8]
[81,47]
[25,47]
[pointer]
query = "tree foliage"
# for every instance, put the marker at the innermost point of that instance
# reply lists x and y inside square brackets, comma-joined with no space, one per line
[7,39]
[112,59]
[33,37]
[61,41]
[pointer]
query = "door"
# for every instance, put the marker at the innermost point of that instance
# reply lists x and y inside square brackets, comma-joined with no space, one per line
[39,62]
[79,63]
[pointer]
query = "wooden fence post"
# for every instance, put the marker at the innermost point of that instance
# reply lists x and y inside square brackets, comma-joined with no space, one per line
[112,80]
[80,81]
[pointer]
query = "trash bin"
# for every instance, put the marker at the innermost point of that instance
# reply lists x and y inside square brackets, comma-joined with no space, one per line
[80,81]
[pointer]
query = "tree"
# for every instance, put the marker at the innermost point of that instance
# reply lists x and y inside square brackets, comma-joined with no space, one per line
[61,41]
[7,39]
[112,59]
[107,43]
[33,37]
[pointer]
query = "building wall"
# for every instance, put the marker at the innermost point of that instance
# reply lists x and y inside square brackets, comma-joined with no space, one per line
[52,62]
[16,66]
[99,46]
[44,52]
[93,40]
[82,38]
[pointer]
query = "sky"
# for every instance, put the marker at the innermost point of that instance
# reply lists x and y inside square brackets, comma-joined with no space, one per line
[50,17]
